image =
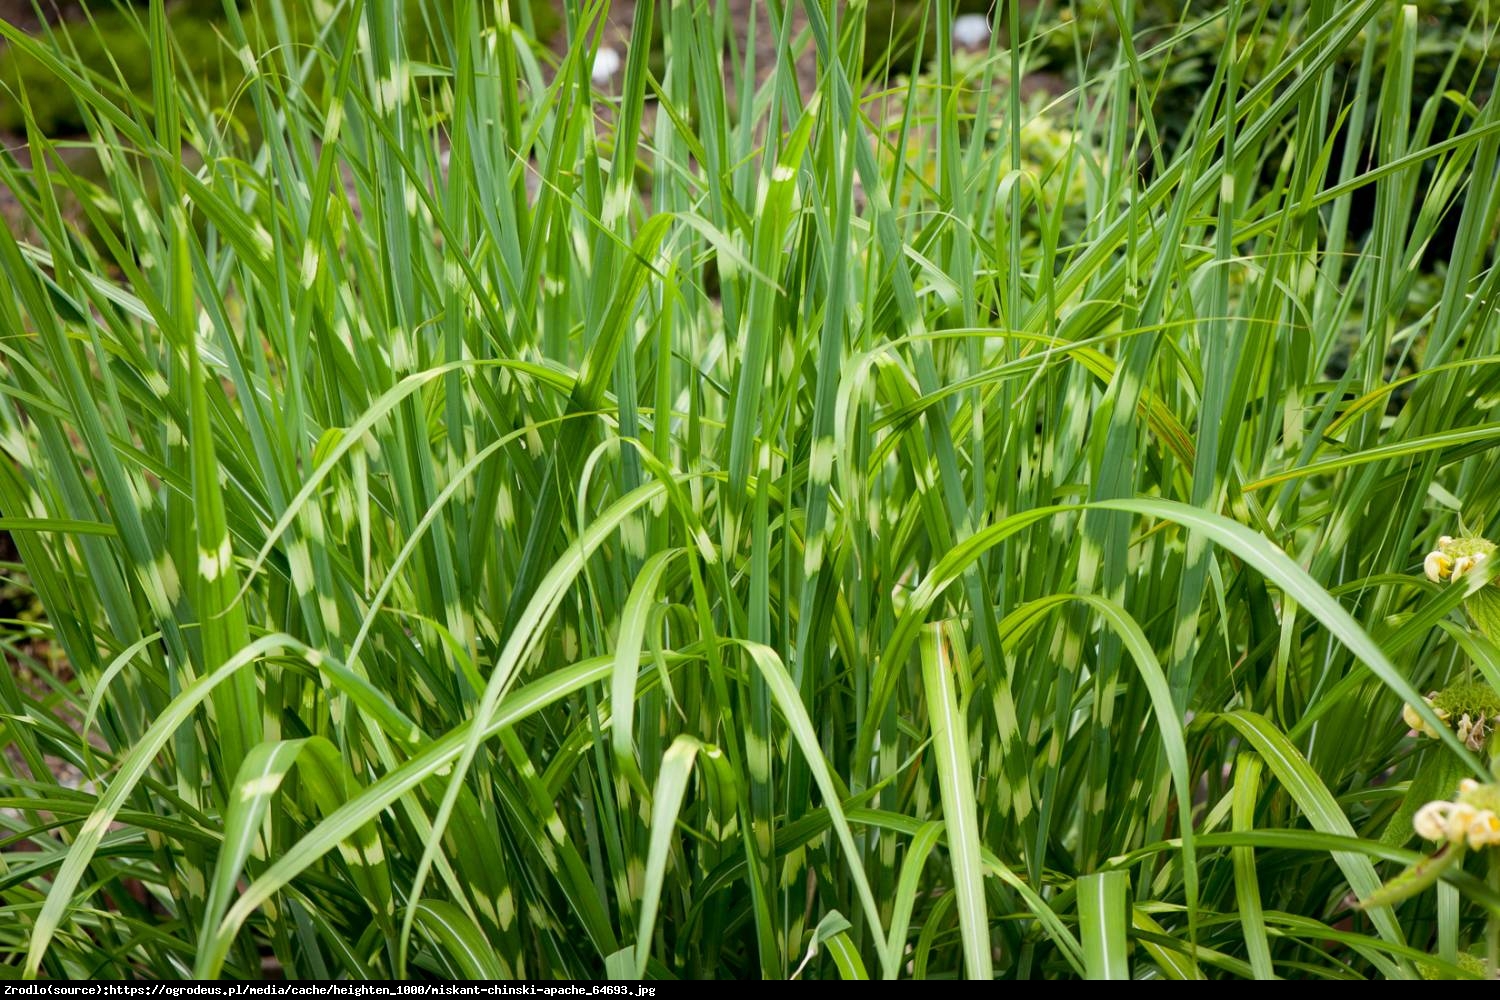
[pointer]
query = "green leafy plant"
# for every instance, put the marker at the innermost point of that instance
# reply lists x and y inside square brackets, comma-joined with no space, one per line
[727,527]
[1469,820]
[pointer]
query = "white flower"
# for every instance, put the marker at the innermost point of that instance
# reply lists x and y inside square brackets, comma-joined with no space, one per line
[1431,821]
[1483,830]
[1453,558]
[1461,816]
[1473,820]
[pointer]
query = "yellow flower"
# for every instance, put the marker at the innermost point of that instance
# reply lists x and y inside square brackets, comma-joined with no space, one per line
[1483,830]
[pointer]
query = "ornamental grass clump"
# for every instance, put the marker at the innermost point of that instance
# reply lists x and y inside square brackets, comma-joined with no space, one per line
[757,518]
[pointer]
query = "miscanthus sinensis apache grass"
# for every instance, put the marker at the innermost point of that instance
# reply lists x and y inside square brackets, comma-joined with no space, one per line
[761,518]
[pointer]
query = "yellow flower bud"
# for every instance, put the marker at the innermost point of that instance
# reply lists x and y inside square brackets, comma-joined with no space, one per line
[1414,721]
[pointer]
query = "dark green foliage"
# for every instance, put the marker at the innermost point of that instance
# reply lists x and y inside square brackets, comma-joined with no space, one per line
[894,29]
[113,40]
